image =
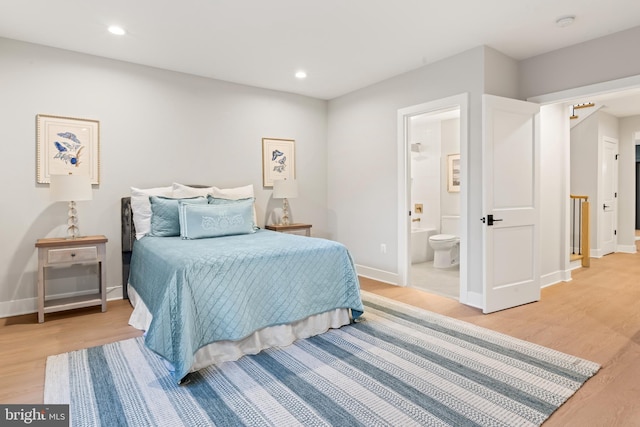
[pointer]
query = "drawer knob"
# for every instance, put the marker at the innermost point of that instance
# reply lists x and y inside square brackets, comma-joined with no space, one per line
[73,254]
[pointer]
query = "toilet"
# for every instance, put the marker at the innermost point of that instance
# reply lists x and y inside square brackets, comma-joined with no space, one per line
[446,246]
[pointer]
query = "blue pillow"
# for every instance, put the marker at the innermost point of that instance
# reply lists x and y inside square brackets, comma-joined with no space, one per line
[216,220]
[165,221]
[218,201]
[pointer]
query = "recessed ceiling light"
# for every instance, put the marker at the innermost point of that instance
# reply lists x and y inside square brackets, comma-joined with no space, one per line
[118,31]
[301,75]
[565,21]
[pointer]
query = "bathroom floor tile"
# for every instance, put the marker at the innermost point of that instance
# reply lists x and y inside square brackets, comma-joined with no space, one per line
[440,281]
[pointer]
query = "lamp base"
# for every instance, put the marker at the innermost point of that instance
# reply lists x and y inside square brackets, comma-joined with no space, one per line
[73,232]
[285,212]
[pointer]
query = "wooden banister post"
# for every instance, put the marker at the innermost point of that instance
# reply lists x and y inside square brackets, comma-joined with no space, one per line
[586,246]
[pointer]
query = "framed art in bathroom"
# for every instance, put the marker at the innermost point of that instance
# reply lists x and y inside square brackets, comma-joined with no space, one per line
[67,145]
[278,160]
[453,173]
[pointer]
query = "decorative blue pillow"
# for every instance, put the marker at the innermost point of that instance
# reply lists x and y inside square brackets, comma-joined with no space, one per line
[165,221]
[219,201]
[216,220]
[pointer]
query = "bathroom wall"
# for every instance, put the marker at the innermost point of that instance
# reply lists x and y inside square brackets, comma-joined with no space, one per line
[438,138]
[425,172]
[450,139]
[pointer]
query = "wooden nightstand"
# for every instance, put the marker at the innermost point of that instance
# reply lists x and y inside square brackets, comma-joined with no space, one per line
[66,252]
[291,228]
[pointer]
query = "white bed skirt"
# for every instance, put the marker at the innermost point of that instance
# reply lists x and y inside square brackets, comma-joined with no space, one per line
[272,336]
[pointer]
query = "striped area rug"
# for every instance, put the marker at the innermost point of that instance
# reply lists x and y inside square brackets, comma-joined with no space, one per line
[400,366]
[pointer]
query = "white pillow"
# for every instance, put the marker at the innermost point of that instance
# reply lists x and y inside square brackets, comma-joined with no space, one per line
[236,193]
[181,191]
[141,207]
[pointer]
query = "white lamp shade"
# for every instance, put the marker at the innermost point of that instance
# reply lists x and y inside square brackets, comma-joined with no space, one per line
[67,188]
[285,189]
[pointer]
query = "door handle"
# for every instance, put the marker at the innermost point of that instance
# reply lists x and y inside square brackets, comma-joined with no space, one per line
[605,206]
[491,220]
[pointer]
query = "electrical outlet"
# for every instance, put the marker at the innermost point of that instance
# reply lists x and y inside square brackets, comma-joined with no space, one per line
[383,248]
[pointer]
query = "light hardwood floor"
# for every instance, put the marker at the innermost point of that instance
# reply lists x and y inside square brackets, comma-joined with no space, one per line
[596,316]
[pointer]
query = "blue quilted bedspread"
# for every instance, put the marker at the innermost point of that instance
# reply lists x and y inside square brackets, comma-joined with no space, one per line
[225,288]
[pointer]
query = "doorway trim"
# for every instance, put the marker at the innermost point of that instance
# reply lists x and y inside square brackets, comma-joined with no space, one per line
[461,102]
[617,85]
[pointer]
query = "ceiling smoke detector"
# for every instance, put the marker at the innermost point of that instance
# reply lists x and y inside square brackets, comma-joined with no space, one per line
[565,21]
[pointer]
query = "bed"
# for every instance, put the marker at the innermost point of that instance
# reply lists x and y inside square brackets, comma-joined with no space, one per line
[203,301]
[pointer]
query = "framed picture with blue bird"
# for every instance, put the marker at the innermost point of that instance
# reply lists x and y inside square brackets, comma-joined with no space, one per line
[278,160]
[67,145]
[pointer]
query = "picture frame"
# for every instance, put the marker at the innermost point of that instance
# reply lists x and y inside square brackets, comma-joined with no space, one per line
[453,173]
[278,160]
[67,145]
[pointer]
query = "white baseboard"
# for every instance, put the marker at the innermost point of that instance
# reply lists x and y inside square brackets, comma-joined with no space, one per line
[574,265]
[379,275]
[627,249]
[554,278]
[596,253]
[30,305]
[18,307]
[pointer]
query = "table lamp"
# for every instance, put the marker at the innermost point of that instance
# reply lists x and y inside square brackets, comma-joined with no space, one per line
[71,188]
[285,189]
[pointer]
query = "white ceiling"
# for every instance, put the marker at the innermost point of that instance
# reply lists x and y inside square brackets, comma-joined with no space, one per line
[343,45]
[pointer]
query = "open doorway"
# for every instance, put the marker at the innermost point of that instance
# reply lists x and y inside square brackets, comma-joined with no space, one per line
[605,136]
[432,141]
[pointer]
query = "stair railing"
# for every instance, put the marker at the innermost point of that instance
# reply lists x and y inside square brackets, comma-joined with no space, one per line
[580,229]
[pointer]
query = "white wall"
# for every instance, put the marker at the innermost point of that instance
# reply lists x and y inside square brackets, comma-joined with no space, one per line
[362,144]
[500,74]
[554,193]
[584,167]
[612,57]
[425,173]
[156,127]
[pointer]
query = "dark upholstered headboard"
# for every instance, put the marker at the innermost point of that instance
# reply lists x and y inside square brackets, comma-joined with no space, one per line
[128,235]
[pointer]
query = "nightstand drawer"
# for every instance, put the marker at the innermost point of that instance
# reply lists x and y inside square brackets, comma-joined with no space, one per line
[55,256]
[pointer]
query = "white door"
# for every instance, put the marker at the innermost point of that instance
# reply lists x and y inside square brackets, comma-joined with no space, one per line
[511,168]
[608,209]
